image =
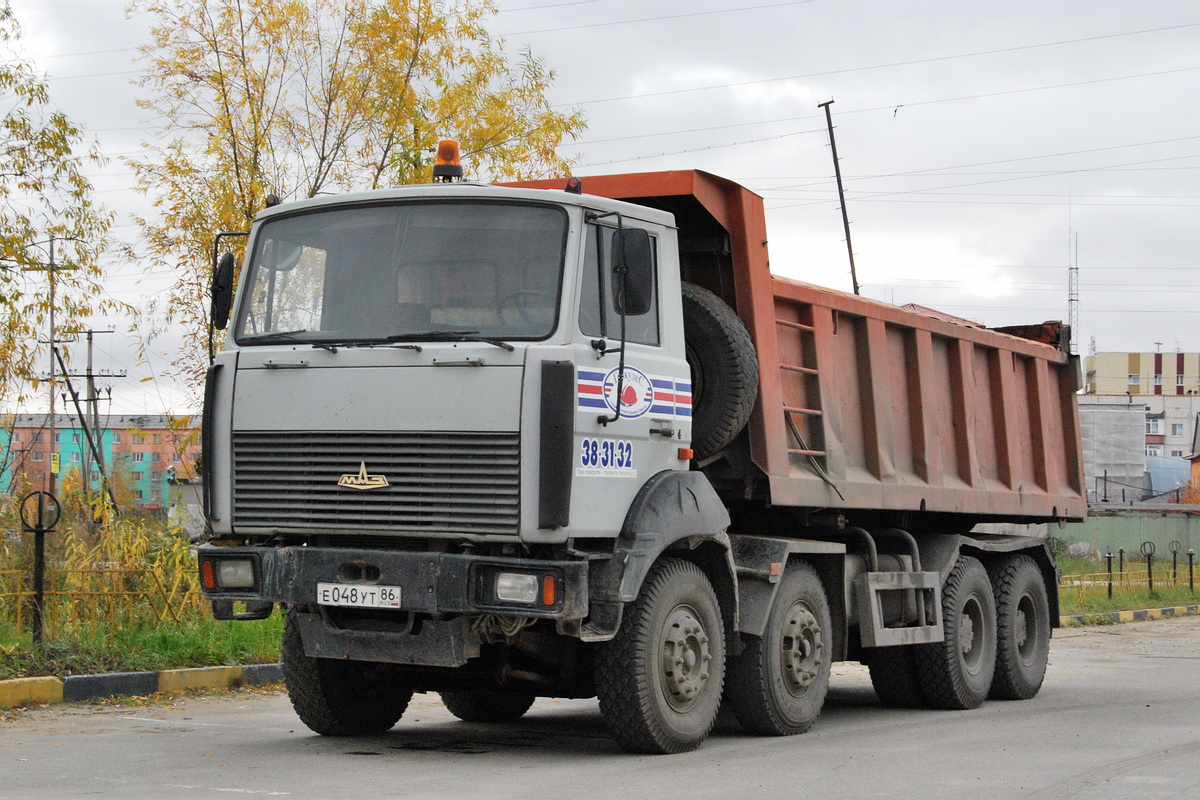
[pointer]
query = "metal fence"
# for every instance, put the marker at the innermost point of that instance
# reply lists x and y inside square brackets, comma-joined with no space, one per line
[1127,581]
[98,598]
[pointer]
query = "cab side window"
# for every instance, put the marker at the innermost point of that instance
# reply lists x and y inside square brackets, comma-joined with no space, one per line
[598,314]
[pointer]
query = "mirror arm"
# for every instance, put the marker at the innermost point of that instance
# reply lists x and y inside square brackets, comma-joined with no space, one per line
[621,269]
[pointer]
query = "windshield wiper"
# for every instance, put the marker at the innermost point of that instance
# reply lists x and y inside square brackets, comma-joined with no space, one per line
[374,342]
[287,336]
[450,336]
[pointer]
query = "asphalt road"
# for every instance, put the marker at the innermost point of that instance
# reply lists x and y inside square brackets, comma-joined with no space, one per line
[1119,716]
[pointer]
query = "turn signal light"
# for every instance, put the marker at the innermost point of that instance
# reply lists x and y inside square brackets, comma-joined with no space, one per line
[207,577]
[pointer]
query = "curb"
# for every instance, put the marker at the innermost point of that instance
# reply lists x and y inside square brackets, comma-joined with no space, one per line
[76,688]
[1131,616]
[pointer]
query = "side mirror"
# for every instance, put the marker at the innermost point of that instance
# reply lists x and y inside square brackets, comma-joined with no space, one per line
[631,257]
[222,292]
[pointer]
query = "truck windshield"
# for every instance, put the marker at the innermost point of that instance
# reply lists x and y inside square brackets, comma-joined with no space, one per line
[367,273]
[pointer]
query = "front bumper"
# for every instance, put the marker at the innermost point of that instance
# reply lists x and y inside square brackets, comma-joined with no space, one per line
[431,583]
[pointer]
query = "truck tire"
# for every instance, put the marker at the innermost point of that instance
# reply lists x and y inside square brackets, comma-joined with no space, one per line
[340,698]
[957,673]
[724,370]
[660,679]
[894,677]
[487,706]
[777,685]
[1022,629]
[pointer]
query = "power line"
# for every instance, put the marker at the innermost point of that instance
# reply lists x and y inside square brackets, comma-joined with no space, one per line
[913,104]
[611,23]
[933,189]
[889,65]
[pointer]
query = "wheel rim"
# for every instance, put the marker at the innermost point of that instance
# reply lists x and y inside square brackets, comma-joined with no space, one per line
[971,635]
[685,659]
[801,649]
[1025,628]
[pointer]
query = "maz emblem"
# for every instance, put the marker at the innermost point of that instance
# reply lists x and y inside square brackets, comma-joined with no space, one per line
[362,480]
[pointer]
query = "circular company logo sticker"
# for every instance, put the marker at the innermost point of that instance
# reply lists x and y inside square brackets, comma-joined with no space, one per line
[637,393]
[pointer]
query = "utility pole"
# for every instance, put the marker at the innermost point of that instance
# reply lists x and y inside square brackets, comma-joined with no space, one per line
[92,403]
[837,171]
[1073,301]
[51,268]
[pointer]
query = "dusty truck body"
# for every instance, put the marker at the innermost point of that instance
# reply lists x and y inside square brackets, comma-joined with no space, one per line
[511,442]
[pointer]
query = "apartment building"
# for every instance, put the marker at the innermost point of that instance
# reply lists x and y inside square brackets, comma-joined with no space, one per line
[144,454]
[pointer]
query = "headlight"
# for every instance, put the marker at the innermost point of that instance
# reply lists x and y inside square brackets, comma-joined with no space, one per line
[227,573]
[516,587]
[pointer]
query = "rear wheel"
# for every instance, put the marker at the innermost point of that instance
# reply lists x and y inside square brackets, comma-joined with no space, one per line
[957,673]
[487,706]
[777,686]
[894,677]
[340,698]
[1022,629]
[660,679]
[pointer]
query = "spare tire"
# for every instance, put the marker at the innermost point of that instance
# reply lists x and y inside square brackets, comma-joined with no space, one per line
[724,370]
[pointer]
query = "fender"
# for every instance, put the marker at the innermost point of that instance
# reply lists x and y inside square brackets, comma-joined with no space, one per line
[669,509]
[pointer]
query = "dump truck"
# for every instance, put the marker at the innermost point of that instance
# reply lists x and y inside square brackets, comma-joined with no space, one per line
[574,439]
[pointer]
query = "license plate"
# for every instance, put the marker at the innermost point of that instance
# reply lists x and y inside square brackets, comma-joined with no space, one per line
[358,596]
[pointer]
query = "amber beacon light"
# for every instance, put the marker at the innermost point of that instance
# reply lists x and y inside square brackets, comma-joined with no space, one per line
[447,164]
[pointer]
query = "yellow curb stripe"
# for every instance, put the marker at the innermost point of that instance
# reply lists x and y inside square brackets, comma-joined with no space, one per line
[179,680]
[1132,616]
[20,691]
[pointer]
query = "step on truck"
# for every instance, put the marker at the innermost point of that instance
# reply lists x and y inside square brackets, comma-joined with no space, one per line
[574,439]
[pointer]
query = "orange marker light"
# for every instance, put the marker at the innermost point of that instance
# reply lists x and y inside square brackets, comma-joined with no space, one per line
[548,590]
[686,454]
[207,577]
[447,164]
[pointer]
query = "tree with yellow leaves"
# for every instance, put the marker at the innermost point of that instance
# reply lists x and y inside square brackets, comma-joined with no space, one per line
[47,217]
[303,97]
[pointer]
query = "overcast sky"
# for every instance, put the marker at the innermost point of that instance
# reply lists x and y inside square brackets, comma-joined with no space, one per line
[978,142]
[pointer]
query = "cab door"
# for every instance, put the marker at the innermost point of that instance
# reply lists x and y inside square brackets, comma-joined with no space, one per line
[618,452]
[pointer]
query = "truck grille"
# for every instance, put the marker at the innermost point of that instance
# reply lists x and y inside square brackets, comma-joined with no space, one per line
[437,482]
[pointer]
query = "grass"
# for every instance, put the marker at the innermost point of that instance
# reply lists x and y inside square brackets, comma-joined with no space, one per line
[195,642]
[1096,600]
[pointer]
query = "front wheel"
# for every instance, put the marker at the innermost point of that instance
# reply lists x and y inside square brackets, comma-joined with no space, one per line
[1022,629]
[659,680]
[340,698]
[777,686]
[957,673]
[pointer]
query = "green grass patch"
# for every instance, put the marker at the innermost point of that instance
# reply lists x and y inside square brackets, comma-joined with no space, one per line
[195,642]
[1096,600]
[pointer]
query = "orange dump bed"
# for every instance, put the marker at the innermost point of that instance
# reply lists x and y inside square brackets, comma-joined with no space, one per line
[865,405]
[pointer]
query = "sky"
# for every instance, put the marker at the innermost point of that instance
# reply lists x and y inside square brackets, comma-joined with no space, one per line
[985,147]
